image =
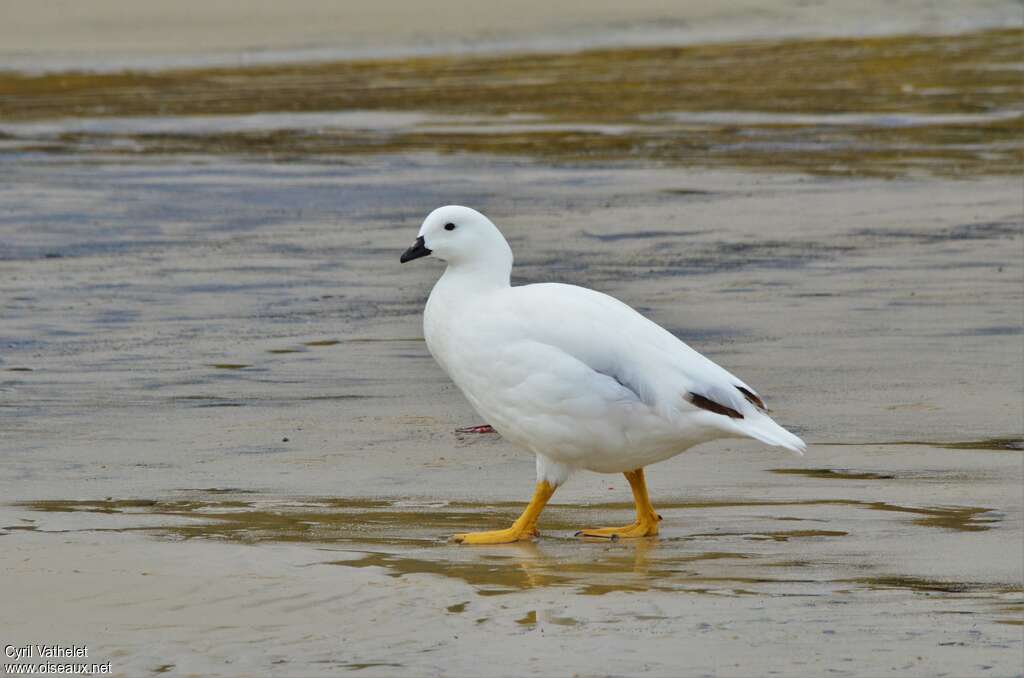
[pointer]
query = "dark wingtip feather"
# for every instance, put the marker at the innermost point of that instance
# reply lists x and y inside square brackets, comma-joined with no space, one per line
[711,406]
[752,398]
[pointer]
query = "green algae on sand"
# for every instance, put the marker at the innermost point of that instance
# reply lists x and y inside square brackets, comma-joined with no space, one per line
[871,106]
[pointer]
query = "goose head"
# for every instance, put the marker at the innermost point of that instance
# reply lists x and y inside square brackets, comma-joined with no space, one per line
[462,237]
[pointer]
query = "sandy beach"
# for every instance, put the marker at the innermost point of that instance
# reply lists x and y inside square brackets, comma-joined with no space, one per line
[225,449]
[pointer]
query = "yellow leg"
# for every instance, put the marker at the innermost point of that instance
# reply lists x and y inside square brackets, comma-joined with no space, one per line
[646,524]
[521,530]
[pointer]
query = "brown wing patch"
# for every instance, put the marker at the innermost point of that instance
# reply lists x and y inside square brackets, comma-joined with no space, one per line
[711,406]
[752,398]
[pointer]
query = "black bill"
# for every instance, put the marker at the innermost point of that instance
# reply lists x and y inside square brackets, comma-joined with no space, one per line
[417,250]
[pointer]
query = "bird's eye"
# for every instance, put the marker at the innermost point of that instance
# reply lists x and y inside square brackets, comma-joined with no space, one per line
[449,227]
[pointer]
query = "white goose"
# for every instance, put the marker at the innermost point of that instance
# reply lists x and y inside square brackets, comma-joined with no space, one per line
[575,376]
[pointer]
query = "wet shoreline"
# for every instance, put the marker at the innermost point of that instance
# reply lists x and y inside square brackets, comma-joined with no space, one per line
[214,389]
[225,449]
[887,106]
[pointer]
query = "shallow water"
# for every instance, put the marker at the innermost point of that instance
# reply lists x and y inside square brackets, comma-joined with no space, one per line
[407,537]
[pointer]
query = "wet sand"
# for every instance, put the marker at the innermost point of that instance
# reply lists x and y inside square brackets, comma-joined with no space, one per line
[228,450]
[888,106]
[225,450]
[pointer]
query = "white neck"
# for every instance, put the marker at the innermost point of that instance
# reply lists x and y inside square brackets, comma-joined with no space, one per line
[481,272]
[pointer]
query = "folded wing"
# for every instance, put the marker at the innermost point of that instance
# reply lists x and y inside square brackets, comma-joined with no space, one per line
[663,373]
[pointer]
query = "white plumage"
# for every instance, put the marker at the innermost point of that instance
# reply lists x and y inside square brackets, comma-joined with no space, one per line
[575,376]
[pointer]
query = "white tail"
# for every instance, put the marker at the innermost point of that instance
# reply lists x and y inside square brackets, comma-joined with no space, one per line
[767,431]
